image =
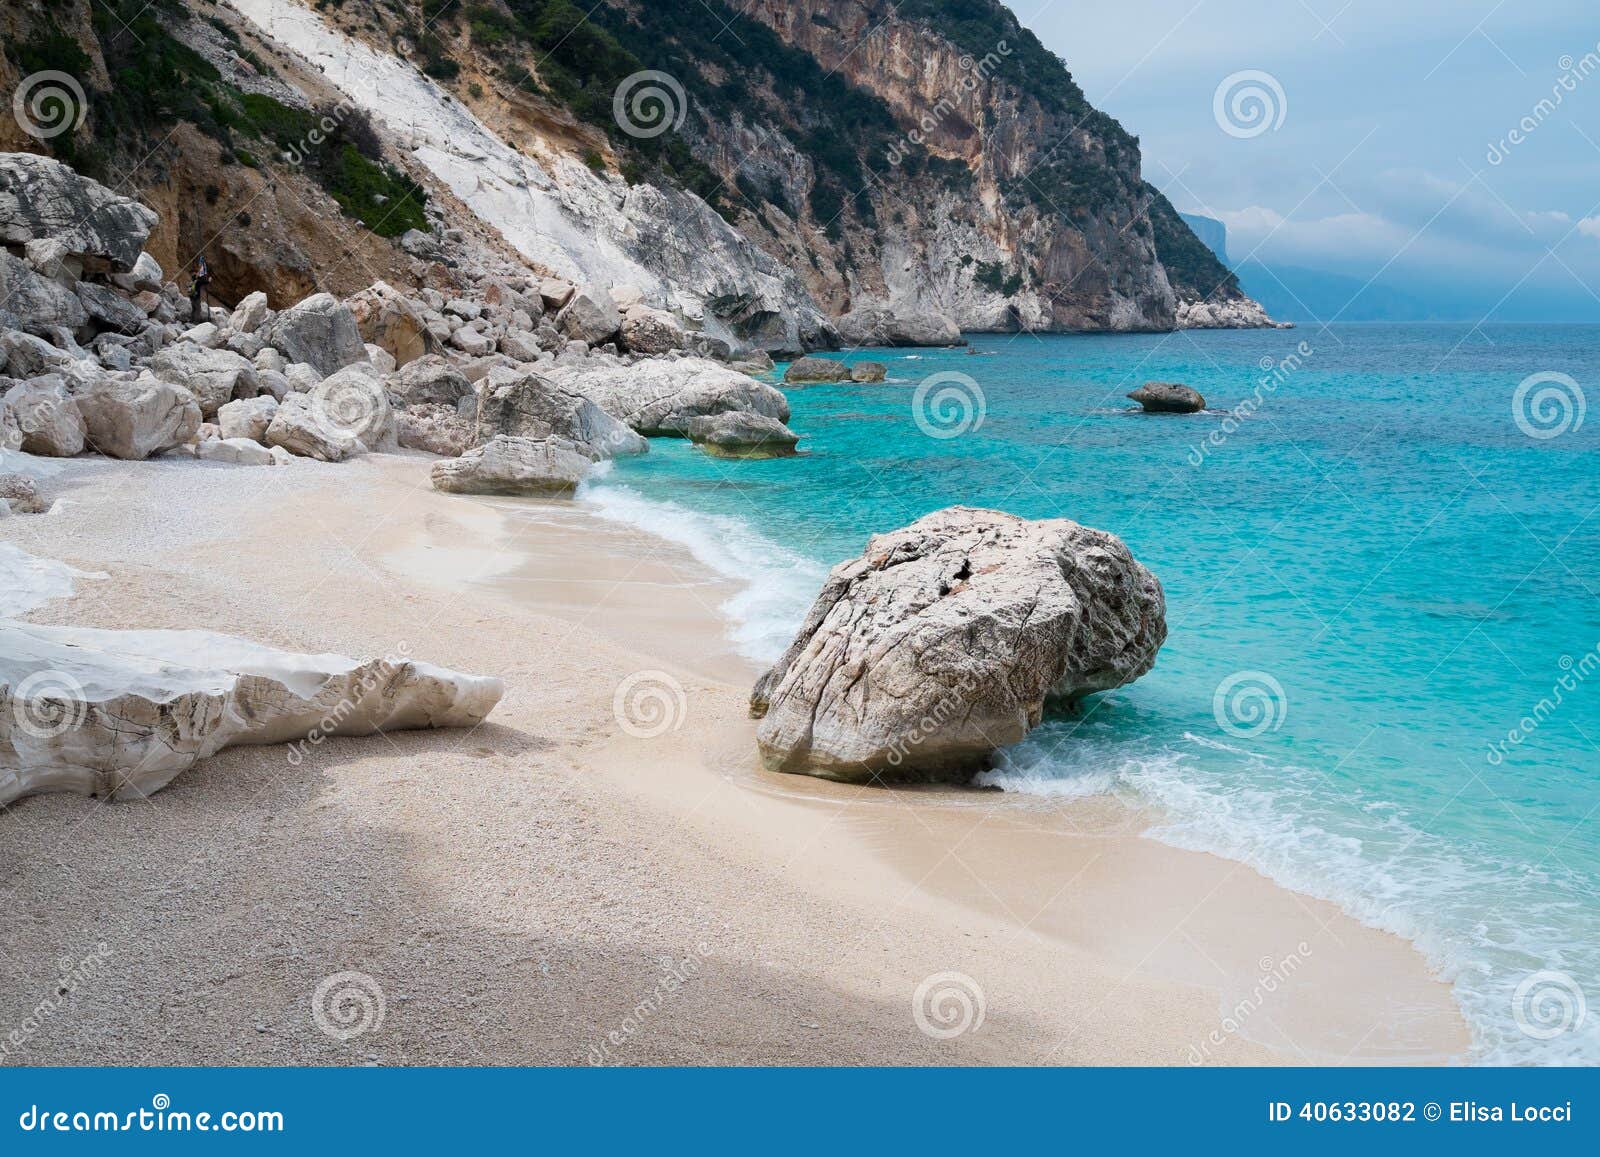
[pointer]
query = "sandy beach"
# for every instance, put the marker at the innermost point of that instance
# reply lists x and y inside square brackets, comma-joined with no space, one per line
[521,891]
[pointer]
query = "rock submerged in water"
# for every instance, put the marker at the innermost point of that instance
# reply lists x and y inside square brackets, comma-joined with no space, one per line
[945,639]
[1168,398]
[119,714]
[803,370]
[740,435]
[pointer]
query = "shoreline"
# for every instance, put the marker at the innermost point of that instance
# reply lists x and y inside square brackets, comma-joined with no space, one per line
[551,839]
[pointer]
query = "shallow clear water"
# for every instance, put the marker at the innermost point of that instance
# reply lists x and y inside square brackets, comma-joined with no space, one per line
[1381,570]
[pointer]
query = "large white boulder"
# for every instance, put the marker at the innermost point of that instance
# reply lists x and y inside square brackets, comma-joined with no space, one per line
[214,376]
[320,331]
[388,318]
[43,198]
[247,417]
[303,429]
[39,304]
[517,466]
[659,396]
[136,419]
[590,317]
[235,452]
[119,714]
[944,641]
[529,404]
[47,416]
[354,400]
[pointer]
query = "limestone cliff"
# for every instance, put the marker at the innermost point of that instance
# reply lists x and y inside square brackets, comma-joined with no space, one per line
[807,160]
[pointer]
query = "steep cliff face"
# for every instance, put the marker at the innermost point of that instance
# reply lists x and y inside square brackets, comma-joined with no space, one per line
[757,168]
[930,155]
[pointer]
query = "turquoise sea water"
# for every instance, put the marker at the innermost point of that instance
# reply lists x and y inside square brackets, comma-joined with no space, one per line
[1376,582]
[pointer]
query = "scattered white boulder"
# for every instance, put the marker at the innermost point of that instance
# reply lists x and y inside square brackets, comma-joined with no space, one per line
[250,314]
[659,396]
[47,417]
[302,428]
[515,466]
[136,419]
[320,331]
[247,418]
[234,451]
[214,376]
[354,400]
[119,714]
[945,640]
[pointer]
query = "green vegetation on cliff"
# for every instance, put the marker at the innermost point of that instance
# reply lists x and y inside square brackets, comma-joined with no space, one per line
[157,82]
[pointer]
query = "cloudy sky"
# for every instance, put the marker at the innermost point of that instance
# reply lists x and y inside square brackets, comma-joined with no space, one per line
[1377,160]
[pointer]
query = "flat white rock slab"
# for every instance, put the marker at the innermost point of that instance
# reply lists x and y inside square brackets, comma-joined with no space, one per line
[119,714]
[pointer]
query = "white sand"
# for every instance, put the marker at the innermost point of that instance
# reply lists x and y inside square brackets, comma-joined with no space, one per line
[521,890]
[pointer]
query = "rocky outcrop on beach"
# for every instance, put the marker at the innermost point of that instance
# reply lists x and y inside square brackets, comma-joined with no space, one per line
[119,714]
[945,640]
[526,467]
[1169,398]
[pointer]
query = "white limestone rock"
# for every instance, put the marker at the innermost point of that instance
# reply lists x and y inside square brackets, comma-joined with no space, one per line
[945,640]
[136,419]
[119,714]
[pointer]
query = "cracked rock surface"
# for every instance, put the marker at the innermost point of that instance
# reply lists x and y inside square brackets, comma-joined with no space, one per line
[943,641]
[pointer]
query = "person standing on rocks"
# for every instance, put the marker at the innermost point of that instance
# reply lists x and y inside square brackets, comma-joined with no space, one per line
[197,289]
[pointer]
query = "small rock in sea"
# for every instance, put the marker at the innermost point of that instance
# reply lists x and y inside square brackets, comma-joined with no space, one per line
[1168,398]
